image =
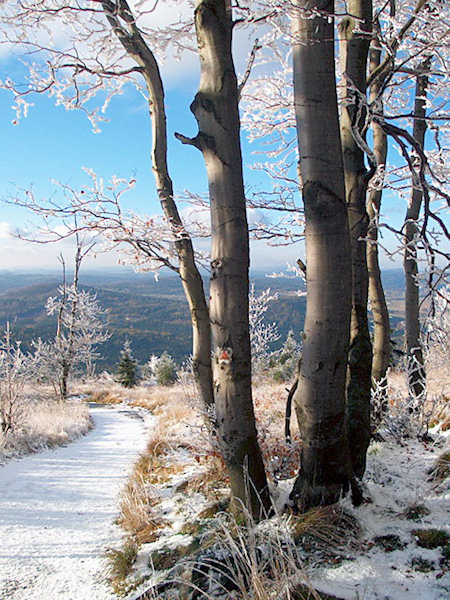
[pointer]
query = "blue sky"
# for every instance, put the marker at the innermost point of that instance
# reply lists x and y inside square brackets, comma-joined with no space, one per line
[52,143]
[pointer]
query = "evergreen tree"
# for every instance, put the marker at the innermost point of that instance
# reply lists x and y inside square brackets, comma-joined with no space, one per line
[127,371]
[165,370]
[289,356]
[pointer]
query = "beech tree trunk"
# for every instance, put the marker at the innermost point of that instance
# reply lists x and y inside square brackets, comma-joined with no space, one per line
[118,15]
[216,110]
[381,325]
[326,468]
[354,54]
[414,353]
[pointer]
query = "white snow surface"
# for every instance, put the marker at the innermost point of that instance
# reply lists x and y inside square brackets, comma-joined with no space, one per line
[57,509]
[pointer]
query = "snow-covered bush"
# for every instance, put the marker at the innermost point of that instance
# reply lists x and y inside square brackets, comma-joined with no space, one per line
[45,424]
[79,330]
[438,330]
[262,334]
[15,371]
[186,379]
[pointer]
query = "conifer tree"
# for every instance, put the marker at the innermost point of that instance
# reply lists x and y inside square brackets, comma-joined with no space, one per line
[127,371]
[165,370]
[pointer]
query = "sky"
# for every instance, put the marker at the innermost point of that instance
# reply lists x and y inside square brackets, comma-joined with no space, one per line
[54,144]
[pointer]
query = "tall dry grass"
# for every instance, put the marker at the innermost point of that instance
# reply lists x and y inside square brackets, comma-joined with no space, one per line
[46,423]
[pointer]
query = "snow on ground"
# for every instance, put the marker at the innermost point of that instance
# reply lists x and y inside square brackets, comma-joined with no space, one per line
[57,508]
[397,480]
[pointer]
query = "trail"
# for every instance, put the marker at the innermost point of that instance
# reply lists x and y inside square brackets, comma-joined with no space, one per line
[57,510]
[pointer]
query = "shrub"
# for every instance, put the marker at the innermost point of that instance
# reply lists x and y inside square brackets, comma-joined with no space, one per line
[14,373]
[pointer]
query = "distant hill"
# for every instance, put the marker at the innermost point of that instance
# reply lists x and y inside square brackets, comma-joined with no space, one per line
[153,315]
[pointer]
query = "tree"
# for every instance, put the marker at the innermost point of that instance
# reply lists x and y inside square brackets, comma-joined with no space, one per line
[414,352]
[74,73]
[127,372]
[412,33]
[79,328]
[262,334]
[381,325]
[215,108]
[124,25]
[103,37]
[326,468]
[164,370]
[288,359]
[355,32]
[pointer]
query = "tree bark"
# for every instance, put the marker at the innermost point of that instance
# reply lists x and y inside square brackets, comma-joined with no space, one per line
[381,325]
[216,110]
[320,397]
[137,49]
[414,353]
[354,54]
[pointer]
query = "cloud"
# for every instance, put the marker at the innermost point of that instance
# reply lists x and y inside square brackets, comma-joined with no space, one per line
[6,230]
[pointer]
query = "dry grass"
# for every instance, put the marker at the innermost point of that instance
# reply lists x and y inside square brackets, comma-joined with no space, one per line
[441,468]
[46,423]
[330,526]
[120,564]
[104,397]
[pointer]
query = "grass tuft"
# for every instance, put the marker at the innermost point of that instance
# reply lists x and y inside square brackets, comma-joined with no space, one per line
[431,538]
[441,468]
[119,564]
[104,397]
[416,512]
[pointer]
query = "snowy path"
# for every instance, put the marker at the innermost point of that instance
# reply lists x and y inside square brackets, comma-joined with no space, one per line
[56,511]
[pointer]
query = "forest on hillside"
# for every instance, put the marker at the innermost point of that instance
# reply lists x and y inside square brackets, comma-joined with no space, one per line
[152,316]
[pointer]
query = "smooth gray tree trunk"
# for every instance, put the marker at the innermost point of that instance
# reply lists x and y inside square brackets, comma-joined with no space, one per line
[326,468]
[216,110]
[414,352]
[355,33]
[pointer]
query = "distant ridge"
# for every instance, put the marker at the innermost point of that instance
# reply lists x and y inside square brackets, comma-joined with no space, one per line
[153,315]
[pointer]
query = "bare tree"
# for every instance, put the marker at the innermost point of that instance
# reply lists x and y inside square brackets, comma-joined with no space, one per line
[100,38]
[123,24]
[79,329]
[262,334]
[75,74]
[414,352]
[380,314]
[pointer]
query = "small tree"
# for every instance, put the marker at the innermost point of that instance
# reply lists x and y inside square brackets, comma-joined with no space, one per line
[127,370]
[262,334]
[165,370]
[288,360]
[79,330]
[14,373]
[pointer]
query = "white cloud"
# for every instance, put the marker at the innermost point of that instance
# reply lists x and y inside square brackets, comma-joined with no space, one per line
[6,230]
